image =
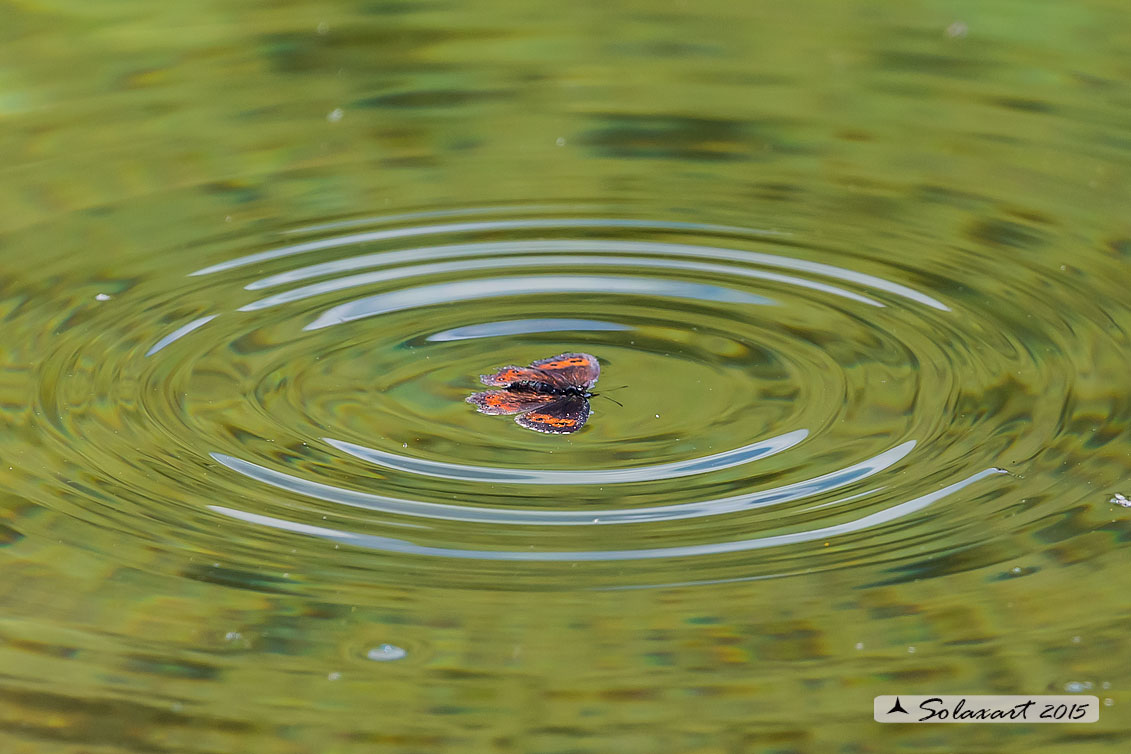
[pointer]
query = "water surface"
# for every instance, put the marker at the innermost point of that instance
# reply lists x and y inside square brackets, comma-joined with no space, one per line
[862,269]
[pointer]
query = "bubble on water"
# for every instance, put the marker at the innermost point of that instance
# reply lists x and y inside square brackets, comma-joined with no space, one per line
[333,676]
[102,297]
[1077,687]
[335,115]
[386,653]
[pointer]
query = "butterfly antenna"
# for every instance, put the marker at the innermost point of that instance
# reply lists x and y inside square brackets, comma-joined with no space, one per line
[609,390]
[614,400]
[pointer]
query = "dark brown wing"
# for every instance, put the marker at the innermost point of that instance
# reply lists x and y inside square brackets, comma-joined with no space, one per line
[569,369]
[510,375]
[506,402]
[566,414]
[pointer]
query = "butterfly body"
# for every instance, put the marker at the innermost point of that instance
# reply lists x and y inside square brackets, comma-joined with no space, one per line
[547,387]
[551,395]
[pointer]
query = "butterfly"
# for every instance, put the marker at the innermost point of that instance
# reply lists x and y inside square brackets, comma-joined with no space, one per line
[551,395]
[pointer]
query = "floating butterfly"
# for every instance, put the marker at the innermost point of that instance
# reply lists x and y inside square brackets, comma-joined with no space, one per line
[550,395]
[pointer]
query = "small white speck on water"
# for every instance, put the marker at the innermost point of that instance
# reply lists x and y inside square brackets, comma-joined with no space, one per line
[102,297]
[1108,701]
[233,636]
[404,444]
[957,30]
[911,650]
[335,115]
[322,27]
[1121,500]
[859,645]
[1075,639]
[657,416]
[333,676]
[561,142]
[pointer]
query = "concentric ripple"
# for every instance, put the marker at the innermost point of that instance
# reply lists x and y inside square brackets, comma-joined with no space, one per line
[787,406]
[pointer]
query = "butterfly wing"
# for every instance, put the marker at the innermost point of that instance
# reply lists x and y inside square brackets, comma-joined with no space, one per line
[565,415]
[510,375]
[497,402]
[569,370]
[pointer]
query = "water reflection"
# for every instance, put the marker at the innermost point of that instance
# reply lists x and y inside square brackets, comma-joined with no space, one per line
[391,544]
[588,516]
[525,327]
[682,290]
[179,333]
[655,472]
[492,226]
[526,285]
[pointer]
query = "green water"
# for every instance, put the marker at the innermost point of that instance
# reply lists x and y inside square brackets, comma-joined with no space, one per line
[861,268]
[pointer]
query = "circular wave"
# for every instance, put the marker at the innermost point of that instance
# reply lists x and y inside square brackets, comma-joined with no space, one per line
[788,407]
